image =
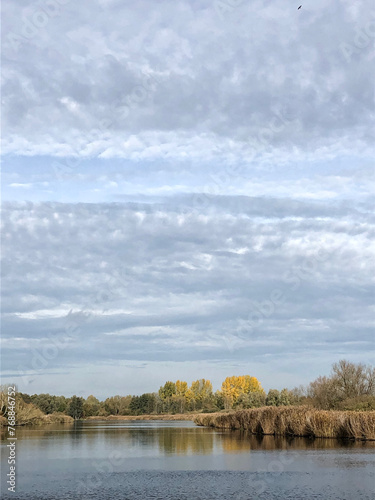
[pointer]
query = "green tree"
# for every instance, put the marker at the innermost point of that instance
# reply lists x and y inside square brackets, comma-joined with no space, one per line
[286,397]
[61,403]
[143,405]
[251,400]
[167,390]
[91,406]
[202,391]
[113,405]
[26,397]
[273,398]
[75,407]
[45,402]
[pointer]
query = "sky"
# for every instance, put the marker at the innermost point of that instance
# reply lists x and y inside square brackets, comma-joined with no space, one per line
[187,192]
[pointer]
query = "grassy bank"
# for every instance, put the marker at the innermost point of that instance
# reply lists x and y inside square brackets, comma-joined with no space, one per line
[36,417]
[296,421]
[179,416]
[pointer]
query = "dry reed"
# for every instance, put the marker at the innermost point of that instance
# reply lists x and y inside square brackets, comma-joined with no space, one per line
[296,421]
[57,418]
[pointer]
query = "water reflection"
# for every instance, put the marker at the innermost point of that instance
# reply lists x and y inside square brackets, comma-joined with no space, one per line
[177,460]
[180,442]
[179,438]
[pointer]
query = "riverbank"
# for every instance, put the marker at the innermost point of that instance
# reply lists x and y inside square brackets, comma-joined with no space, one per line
[295,421]
[38,418]
[177,416]
[60,418]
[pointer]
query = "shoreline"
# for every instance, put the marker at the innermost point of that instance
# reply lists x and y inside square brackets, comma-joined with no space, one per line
[62,418]
[177,416]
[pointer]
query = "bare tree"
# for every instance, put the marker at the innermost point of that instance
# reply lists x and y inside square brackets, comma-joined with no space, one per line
[347,381]
[353,379]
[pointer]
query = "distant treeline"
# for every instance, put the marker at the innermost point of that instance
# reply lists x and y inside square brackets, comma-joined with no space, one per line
[349,387]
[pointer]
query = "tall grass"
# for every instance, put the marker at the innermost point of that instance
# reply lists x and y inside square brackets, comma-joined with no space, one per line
[296,421]
[57,418]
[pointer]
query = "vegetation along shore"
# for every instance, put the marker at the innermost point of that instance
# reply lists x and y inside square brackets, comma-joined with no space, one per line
[301,421]
[334,404]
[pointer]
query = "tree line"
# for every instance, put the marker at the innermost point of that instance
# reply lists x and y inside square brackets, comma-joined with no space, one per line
[349,386]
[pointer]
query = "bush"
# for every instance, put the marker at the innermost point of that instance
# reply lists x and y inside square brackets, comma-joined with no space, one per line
[252,400]
[359,403]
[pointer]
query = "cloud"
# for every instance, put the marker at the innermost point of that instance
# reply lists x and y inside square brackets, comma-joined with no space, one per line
[177,80]
[217,285]
[188,189]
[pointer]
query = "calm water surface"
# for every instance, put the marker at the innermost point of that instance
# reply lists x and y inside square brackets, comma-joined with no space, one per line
[177,460]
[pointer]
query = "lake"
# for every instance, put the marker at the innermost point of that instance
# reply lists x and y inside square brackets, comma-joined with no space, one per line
[178,460]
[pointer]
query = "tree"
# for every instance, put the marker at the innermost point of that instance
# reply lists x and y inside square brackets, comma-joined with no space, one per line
[218,400]
[167,390]
[202,391]
[113,405]
[190,400]
[45,402]
[232,387]
[286,398]
[273,397]
[348,381]
[75,407]
[252,400]
[181,388]
[60,403]
[144,404]
[26,397]
[280,398]
[91,406]
[179,400]
[323,392]
[125,405]
[353,380]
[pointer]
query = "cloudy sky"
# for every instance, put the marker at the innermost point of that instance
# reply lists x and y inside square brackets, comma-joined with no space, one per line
[187,191]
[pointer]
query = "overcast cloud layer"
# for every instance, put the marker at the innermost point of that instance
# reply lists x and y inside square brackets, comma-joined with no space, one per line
[188,191]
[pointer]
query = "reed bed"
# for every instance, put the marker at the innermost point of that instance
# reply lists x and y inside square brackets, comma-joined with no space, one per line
[296,421]
[57,418]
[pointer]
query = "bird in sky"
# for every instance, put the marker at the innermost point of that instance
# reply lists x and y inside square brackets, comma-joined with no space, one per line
[299,7]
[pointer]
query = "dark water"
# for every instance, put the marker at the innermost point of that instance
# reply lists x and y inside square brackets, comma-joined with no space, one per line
[177,460]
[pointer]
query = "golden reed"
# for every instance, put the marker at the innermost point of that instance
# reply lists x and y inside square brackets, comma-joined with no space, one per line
[295,421]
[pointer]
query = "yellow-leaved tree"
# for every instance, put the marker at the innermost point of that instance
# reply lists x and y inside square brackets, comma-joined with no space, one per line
[233,387]
[181,388]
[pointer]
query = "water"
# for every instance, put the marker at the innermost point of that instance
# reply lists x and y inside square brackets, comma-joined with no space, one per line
[177,460]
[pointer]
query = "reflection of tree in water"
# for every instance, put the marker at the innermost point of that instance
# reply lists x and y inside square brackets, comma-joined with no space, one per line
[169,440]
[185,441]
[50,431]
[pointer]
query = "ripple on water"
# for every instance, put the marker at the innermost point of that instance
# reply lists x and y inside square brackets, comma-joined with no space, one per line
[215,485]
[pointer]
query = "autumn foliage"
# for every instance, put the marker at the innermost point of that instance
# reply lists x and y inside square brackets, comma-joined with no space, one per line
[350,387]
[233,387]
